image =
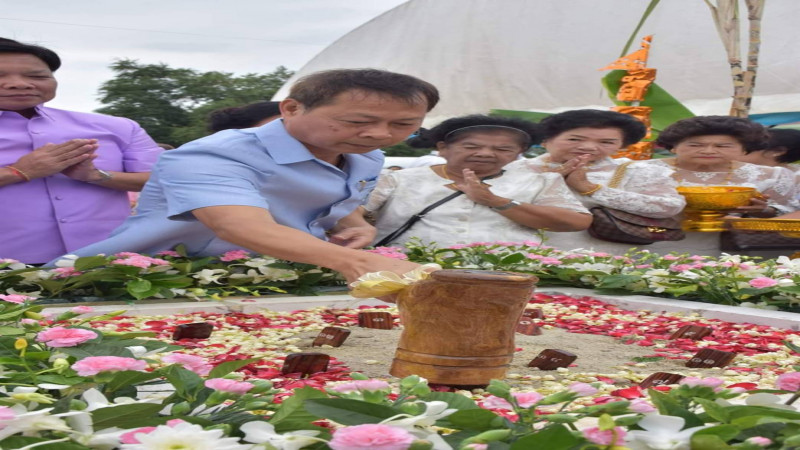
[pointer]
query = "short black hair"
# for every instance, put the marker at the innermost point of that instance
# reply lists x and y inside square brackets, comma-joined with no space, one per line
[633,130]
[47,56]
[452,129]
[753,136]
[242,116]
[787,140]
[320,88]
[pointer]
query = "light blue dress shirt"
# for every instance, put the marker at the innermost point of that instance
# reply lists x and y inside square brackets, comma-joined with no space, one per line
[263,167]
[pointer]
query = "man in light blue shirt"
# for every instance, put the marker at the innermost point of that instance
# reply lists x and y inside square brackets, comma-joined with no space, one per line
[281,188]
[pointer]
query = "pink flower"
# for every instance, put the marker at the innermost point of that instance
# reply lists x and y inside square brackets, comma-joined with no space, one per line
[552,261]
[196,364]
[136,260]
[599,254]
[231,386]
[28,321]
[476,446]
[82,309]
[65,337]
[15,298]
[130,436]
[759,440]
[362,385]
[762,282]
[493,402]
[128,255]
[582,389]
[92,365]
[789,382]
[708,382]
[169,253]
[65,272]
[7,413]
[371,437]
[641,405]
[604,437]
[527,399]
[670,257]
[643,266]
[681,267]
[233,255]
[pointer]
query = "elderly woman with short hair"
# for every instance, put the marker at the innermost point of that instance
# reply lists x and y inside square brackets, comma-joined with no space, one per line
[486,202]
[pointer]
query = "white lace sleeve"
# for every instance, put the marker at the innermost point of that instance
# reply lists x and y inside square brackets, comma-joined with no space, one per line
[383,191]
[783,191]
[555,192]
[646,189]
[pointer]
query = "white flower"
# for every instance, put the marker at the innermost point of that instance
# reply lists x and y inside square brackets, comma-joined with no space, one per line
[67,261]
[208,276]
[140,351]
[96,400]
[184,436]
[661,433]
[259,432]
[30,423]
[419,425]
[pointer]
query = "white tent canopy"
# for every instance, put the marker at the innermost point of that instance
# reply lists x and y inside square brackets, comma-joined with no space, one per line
[543,55]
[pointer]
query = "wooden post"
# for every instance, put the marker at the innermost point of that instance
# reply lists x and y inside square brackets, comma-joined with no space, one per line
[332,336]
[305,363]
[381,320]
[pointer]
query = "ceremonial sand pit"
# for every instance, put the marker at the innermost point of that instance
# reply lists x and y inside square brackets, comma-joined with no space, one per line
[370,351]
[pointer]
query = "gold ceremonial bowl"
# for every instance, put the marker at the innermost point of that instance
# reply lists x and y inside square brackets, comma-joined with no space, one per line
[716,198]
[707,205]
[786,227]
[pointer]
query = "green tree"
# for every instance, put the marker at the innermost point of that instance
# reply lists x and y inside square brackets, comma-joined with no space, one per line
[172,103]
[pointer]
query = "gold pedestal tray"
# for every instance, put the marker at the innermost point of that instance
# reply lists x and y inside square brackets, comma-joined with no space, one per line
[707,205]
[785,227]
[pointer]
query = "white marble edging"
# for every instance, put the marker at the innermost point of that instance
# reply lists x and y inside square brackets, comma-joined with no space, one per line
[734,314]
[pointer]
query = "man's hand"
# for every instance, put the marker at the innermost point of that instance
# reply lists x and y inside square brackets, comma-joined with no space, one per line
[354,237]
[84,171]
[50,159]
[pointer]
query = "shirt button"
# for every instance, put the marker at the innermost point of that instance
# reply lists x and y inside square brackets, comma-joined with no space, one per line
[58,197]
[460,219]
[62,220]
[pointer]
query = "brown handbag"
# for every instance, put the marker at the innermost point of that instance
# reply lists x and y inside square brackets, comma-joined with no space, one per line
[615,225]
[739,240]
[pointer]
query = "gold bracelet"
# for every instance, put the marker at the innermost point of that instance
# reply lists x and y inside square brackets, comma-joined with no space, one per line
[591,191]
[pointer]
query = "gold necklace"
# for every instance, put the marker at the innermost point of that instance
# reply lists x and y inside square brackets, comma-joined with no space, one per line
[677,177]
[444,173]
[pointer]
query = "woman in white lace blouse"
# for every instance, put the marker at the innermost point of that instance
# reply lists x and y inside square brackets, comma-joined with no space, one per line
[579,146]
[496,204]
[707,149]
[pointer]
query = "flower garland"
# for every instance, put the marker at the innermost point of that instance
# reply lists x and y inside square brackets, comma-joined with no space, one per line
[729,279]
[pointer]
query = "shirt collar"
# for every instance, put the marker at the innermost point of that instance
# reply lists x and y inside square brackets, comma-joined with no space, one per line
[39,109]
[283,148]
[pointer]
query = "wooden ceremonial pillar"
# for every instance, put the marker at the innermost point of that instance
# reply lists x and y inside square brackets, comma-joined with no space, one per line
[459,326]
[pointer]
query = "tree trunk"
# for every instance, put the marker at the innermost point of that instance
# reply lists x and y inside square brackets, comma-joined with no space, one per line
[726,19]
[755,10]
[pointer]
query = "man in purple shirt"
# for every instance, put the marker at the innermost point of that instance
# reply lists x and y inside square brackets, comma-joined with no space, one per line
[64,175]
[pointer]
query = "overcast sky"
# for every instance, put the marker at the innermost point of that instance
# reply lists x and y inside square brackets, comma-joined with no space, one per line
[239,36]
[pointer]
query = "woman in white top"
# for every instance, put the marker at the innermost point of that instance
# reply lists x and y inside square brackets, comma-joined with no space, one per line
[496,205]
[782,150]
[579,146]
[707,149]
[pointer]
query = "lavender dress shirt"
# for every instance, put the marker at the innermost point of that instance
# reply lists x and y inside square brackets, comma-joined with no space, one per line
[50,216]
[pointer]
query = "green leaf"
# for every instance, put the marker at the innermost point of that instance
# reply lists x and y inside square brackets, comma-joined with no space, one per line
[292,414]
[668,406]
[349,412]
[724,432]
[453,400]
[473,419]
[187,383]
[552,437]
[230,366]
[513,258]
[11,331]
[132,415]
[23,441]
[708,442]
[127,378]
[714,410]
[90,262]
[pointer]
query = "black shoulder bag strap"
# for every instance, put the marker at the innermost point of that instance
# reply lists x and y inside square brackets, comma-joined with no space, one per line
[414,219]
